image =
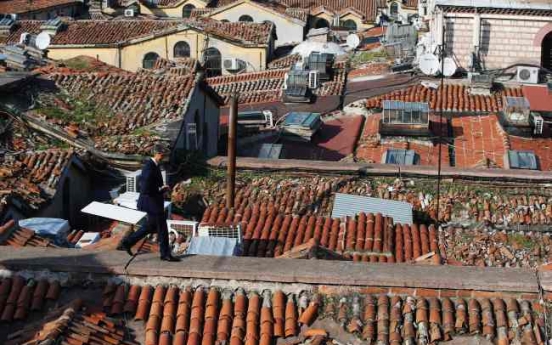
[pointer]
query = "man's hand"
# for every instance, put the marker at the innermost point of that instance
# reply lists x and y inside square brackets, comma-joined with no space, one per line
[165,188]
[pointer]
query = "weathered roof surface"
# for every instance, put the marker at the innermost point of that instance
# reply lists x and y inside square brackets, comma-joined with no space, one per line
[24,6]
[539,97]
[453,97]
[16,236]
[111,32]
[32,176]
[284,62]
[291,12]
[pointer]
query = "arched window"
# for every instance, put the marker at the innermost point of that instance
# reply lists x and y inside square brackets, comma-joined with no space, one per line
[321,23]
[350,25]
[149,60]
[546,58]
[187,10]
[213,62]
[394,9]
[246,18]
[181,49]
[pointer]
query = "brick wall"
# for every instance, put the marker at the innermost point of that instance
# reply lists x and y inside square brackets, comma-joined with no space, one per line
[503,42]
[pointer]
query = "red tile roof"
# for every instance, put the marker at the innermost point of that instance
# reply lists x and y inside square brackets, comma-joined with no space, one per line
[479,141]
[370,70]
[368,8]
[284,62]
[21,297]
[293,12]
[367,237]
[111,32]
[371,147]
[539,97]
[214,316]
[79,64]
[32,177]
[542,147]
[71,324]
[453,97]
[15,236]
[178,66]
[24,6]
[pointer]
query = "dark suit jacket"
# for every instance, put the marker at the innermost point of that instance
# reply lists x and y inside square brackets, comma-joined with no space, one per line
[151,180]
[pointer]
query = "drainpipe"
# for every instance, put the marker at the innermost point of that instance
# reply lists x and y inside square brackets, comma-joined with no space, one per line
[231,174]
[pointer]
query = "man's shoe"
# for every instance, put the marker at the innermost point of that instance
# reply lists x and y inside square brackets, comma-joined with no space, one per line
[170,258]
[124,246]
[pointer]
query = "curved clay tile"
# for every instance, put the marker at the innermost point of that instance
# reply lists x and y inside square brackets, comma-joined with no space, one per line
[278,310]
[409,332]
[399,244]
[238,325]
[118,300]
[396,321]
[434,320]
[267,320]
[448,318]
[211,317]
[9,308]
[310,314]
[225,318]
[38,295]
[326,230]
[474,316]
[291,318]
[252,319]
[334,233]
[132,299]
[54,291]
[369,318]
[383,318]
[144,303]
[24,302]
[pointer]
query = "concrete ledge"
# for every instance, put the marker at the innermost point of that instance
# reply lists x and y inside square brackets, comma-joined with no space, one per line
[318,272]
[381,169]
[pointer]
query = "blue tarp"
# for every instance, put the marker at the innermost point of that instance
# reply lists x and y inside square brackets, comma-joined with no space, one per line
[53,228]
[216,246]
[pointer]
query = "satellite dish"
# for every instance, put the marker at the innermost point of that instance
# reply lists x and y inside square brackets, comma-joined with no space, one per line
[449,67]
[353,41]
[43,40]
[24,38]
[429,64]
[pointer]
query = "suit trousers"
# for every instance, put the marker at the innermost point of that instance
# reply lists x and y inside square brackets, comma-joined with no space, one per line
[154,222]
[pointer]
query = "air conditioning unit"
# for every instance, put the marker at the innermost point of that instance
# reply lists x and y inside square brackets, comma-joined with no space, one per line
[527,75]
[129,12]
[133,181]
[537,122]
[314,79]
[233,64]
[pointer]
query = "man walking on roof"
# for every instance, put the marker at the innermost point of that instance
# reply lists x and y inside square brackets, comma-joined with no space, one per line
[151,201]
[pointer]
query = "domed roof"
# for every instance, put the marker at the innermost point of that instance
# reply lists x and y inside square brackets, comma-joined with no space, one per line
[305,48]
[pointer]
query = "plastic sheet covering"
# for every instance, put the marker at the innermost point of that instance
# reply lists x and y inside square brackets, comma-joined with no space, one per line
[55,229]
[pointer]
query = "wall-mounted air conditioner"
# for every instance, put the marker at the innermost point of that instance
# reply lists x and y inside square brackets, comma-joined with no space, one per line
[132,181]
[537,123]
[527,75]
[233,64]
[129,12]
[314,79]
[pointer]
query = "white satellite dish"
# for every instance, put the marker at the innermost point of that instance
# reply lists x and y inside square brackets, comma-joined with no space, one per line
[43,40]
[353,41]
[429,64]
[449,67]
[23,39]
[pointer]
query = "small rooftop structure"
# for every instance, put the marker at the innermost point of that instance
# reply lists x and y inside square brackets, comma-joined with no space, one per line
[520,160]
[405,118]
[301,125]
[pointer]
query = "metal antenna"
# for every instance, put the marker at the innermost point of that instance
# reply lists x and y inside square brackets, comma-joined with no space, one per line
[442,55]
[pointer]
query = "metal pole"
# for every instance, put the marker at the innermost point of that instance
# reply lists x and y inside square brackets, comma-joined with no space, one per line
[231,174]
[441,119]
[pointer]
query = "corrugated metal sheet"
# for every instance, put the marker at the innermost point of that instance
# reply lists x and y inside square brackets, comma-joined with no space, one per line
[351,205]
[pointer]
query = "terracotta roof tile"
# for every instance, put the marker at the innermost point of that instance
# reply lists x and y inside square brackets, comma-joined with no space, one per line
[16,236]
[32,176]
[23,6]
[284,62]
[20,297]
[368,8]
[453,98]
[91,32]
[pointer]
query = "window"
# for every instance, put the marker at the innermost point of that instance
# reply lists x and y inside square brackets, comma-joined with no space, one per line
[350,25]
[321,23]
[213,62]
[394,9]
[187,10]
[522,160]
[405,113]
[149,60]
[400,156]
[246,18]
[191,134]
[181,49]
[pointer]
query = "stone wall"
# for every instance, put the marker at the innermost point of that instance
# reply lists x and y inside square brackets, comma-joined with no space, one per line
[504,40]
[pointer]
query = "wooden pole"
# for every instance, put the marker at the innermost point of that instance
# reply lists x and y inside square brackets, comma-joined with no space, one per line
[231,174]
